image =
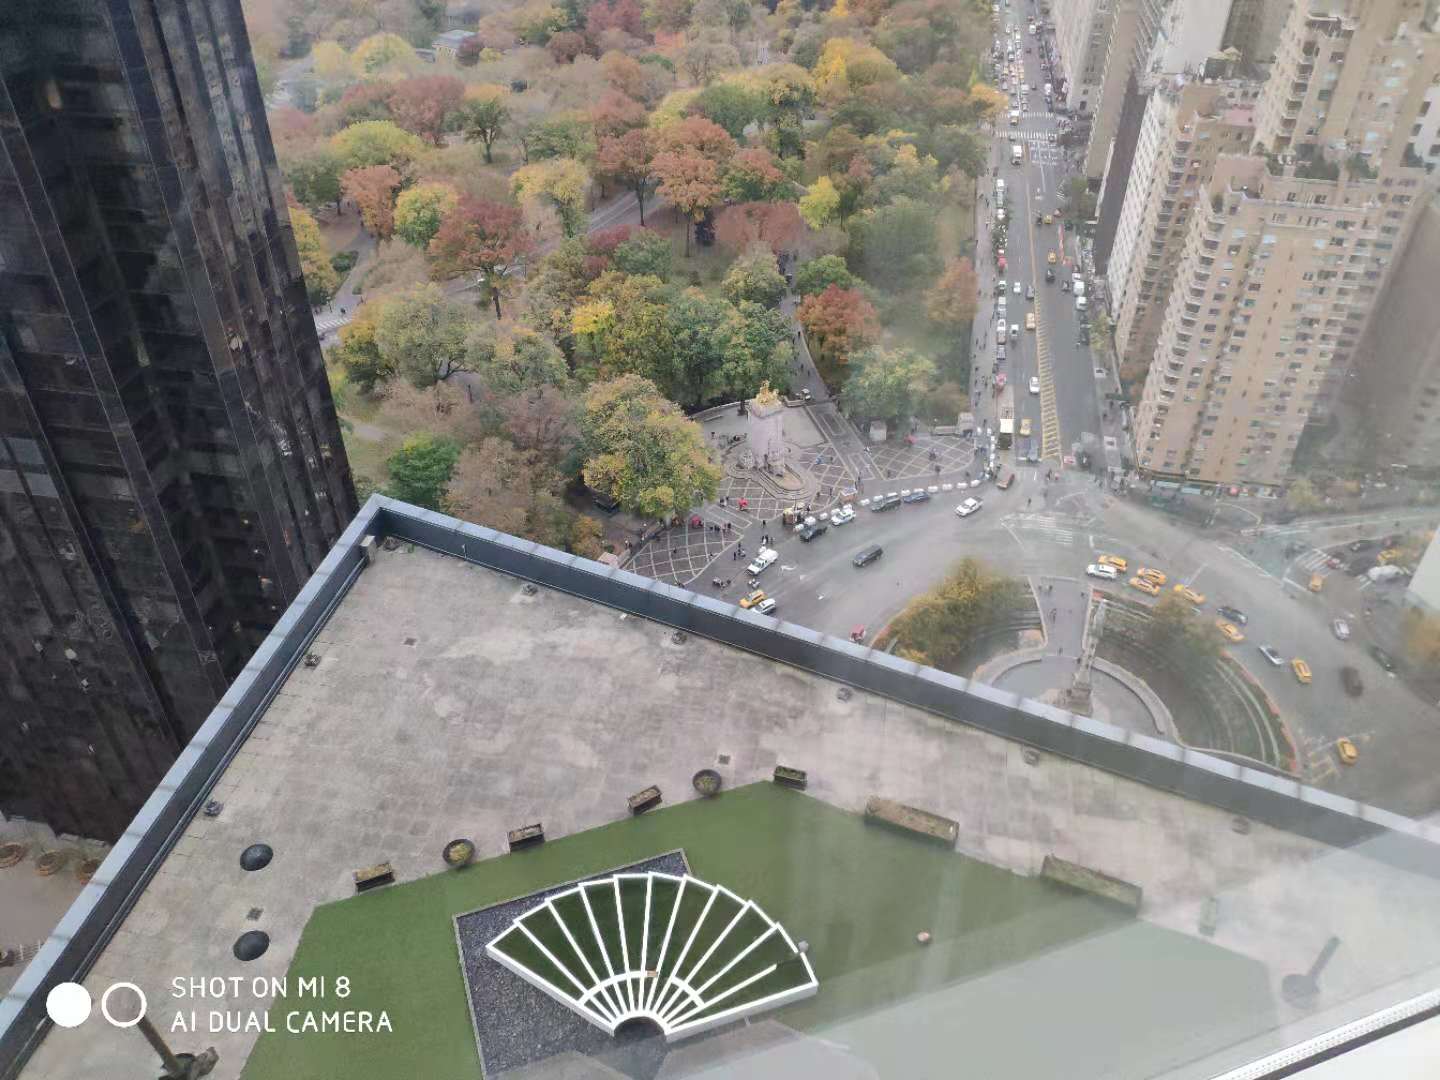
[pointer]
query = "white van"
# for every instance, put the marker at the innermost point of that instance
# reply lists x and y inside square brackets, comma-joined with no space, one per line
[1079,303]
[764,558]
[1079,287]
[1017,153]
[1014,117]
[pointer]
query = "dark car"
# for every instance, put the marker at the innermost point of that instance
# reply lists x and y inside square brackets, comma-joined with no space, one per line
[889,502]
[1384,659]
[1363,545]
[809,532]
[918,495]
[866,556]
[1235,615]
[1350,679]
[1049,275]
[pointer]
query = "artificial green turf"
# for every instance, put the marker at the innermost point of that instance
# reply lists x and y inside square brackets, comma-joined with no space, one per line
[858,894]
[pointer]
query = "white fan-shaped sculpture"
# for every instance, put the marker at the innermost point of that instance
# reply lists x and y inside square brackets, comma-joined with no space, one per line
[677,951]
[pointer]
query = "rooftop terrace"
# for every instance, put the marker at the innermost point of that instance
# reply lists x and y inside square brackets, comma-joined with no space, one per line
[452,699]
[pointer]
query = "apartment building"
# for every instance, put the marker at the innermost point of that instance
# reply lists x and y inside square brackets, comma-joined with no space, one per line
[1286,260]
[1082,39]
[1425,134]
[1396,393]
[1153,41]
[1188,124]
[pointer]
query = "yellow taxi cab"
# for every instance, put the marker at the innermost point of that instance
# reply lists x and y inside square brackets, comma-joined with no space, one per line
[1029,320]
[1346,751]
[1050,258]
[1190,594]
[1024,427]
[1049,219]
[1113,560]
[1155,577]
[1389,555]
[1316,582]
[753,599]
[1230,631]
[1148,587]
[1301,669]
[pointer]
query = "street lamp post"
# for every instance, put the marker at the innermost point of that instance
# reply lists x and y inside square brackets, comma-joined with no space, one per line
[178,1066]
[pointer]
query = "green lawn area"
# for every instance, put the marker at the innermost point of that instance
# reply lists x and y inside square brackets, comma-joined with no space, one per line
[858,894]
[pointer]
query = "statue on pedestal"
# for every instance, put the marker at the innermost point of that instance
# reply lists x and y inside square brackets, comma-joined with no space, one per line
[766,430]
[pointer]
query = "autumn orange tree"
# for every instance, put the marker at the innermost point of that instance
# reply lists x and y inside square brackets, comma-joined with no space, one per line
[838,323]
[421,105]
[690,166]
[373,189]
[776,224]
[628,160]
[616,113]
[484,238]
[953,300]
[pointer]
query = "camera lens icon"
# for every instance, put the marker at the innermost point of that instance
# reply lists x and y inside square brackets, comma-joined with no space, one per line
[69,1004]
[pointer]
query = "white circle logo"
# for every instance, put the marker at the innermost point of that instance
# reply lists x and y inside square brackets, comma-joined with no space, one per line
[105,1004]
[68,1004]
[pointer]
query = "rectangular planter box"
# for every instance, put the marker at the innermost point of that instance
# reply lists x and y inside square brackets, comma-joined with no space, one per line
[792,778]
[644,800]
[1092,881]
[527,836]
[372,877]
[908,818]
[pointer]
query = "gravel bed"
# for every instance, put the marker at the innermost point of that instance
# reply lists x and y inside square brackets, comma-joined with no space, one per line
[516,1024]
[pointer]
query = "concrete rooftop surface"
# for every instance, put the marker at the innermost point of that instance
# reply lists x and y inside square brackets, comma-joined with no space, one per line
[448,702]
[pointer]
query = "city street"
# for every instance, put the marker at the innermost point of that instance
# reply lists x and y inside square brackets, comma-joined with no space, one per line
[1067,411]
[1067,526]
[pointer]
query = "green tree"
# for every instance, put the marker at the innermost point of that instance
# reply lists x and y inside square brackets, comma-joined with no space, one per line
[939,628]
[754,277]
[558,136]
[888,383]
[959,147]
[1080,201]
[421,469]
[314,178]
[422,335]
[817,275]
[732,105]
[753,176]
[482,116]
[521,362]
[420,210]
[642,451]
[895,244]
[375,142]
[757,351]
[359,353]
[321,280]
[647,253]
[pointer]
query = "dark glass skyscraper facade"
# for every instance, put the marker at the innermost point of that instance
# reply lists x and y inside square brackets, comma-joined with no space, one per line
[171,468]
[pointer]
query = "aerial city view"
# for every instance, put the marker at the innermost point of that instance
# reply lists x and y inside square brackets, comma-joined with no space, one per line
[673,538]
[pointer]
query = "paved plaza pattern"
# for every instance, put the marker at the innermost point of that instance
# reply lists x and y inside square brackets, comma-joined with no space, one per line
[748,506]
